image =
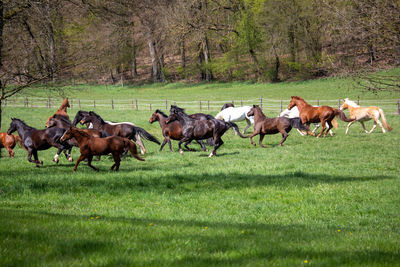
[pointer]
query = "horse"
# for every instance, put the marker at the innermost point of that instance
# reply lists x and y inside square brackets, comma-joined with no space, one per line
[34,140]
[8,141]
[170,131]
[362,114]
[91,146]
[264,125]
[236,114]
[227,105]
[193,129]
[62,110]
[294,113]
[123,129]
[310,114]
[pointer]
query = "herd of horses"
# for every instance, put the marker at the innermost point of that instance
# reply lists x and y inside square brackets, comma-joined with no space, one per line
[104,137]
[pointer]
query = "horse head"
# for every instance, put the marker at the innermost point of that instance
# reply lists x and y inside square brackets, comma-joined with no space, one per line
[344,104]
[172,117]
[13,126]
[292,103]
[68,134]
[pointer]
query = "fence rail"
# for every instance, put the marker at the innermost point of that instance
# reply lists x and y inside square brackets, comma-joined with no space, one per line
[269,105]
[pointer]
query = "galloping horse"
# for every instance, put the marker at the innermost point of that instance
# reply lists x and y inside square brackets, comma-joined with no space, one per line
[362,114]
[294,113]
[123,129]
[62,110]
[34,140]
[264,125]
[8,141]
[236,114]
[310,114]
[193,129]
[172,130]
[92,146]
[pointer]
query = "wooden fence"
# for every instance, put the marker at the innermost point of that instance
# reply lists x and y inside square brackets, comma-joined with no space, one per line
[268,105]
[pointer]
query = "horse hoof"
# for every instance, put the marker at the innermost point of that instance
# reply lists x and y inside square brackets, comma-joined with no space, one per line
[41,162]
[181,151]
[70,159]
[210,155]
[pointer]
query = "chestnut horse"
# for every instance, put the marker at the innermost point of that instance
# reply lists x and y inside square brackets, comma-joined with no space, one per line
[62,110]
[172,130]
[8,141]
[264,125]
[362,114]
[309,114]
[92,146]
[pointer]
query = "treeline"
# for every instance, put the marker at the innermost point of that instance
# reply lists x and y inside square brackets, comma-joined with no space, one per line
[111,41]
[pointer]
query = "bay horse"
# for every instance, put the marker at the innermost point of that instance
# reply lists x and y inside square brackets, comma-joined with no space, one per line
[34,140]
[194,129]
[62,110]
[309,114]
[172,130]
[264,125]
[123,129]
[294,113]
[236,114]
[362,114]
[8,141]
[92,146]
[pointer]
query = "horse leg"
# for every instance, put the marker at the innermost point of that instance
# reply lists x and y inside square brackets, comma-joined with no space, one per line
[284,136]
[89,162]
[350,123]
[81,157]
[261,139]
[380,125]
[140,143]
[317,125]
[217,143]
[10,152]
[180,144]
[201,143]
[163,144]
[169,144]
[60,149]
[301,132]
[329,128]
[117,162]
[256,131]
[186,146]
[35,156]
[70,159]
[248,125]
[323,128]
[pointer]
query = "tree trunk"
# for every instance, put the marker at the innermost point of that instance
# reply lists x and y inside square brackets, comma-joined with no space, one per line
[1,34]
[51,42]
[156,73]
[134,64]
[208,76]
[183,53]
[292,45]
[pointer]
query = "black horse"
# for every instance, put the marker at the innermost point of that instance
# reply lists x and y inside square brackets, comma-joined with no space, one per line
[79,116]
[227,105]
[126,130]
[193,129]
[34,140]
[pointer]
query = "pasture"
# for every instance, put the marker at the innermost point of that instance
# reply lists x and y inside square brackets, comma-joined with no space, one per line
[327,201]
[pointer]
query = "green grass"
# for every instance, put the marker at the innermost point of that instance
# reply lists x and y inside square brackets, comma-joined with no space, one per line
[330,201]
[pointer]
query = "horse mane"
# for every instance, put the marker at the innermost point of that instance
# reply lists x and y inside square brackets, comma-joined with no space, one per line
[61,118]
[64,104]
[298,98]
[162,113]
[351,103]
[81,132]
[257,107]
[178,108]
[92,113]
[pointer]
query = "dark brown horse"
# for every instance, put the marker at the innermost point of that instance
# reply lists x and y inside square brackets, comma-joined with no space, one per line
[92,146]
[8,141]
[35,140]
[324,114]
[62,110]
[264,125]
[171,130]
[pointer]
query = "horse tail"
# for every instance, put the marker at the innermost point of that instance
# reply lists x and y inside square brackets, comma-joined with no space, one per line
[335,123]
[341,115]
[132,148]
[236,129]
[296,123]
[384,120]
[142,132]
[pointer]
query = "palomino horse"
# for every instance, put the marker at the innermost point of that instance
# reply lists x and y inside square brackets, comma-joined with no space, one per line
[92,146]
[362,114]
[236,114]
[124,130]
[193,129]
[8,141]
[62,110]
[309,114]
[172,130]
[294,113]
[34,140]
[264,125]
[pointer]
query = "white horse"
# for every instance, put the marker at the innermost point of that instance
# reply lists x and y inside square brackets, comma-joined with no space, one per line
[232,114]
[294,112]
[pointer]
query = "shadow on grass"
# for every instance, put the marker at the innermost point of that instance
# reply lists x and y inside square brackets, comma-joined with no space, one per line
[189,241]
[126,182]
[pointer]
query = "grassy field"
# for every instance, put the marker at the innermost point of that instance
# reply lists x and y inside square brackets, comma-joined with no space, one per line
[331,201]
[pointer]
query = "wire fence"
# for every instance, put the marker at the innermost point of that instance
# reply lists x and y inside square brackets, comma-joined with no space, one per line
[268,105]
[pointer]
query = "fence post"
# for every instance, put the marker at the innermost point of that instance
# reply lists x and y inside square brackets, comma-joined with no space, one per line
[26,102]
[94,103]
[150,106]
[339,103]
[233,102]
[208,105]
[112,103]
[281,105]
[166,104]
[137,107]
[79,103]
[358,100]
[398,107]
[200,105]
[261,102]
[72,103]
[49,102]
[318,102]
[241,102]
